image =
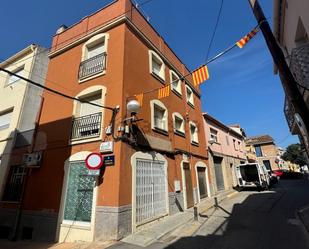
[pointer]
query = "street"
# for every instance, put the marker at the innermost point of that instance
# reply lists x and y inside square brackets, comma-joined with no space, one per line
[249,219]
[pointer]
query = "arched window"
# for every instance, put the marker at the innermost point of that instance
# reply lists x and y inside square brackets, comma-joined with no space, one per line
[159,116]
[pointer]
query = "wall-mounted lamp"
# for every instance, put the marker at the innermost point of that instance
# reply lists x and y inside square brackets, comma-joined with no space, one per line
[133,107]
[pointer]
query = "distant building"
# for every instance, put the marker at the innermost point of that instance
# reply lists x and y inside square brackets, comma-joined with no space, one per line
[291,29]
[226,149]
[20,106]
[263,150]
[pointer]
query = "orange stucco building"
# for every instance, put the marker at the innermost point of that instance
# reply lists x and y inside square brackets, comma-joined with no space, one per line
[160,154]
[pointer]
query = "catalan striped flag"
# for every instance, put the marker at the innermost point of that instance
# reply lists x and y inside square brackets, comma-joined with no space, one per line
[200,75]
[139,98]
[243,41]
[164,92]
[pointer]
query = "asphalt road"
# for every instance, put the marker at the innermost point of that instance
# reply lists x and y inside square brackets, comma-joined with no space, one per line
[249,219]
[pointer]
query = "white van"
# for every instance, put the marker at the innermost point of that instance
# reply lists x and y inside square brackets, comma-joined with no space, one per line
[252,175]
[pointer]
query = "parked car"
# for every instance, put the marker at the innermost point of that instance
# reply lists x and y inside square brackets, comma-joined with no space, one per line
[278,172]
[252,175]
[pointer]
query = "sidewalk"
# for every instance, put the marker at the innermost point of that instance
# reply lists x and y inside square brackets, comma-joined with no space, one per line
[24,244]
[303,215]
[162,228]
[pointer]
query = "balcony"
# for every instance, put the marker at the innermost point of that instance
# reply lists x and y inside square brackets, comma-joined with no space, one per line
[289,115]
[86,126]
[299,65]
[92,66]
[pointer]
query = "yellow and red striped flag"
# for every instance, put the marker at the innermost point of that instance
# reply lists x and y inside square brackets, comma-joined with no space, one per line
[164,92]
[200,75]
[243,41]
[139,98]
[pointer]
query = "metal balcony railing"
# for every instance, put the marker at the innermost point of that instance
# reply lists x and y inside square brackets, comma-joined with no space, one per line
[92,66]
[86,126]
[299,65]
[289,114]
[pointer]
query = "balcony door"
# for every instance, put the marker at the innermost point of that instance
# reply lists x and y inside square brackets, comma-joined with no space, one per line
[87,109]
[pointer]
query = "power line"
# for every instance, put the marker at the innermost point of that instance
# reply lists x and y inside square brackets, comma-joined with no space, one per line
[54,91]
[215,29]
[208,62]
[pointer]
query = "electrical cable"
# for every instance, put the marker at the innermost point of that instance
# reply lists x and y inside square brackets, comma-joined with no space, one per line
[54,91]
[214,31]
[208,62]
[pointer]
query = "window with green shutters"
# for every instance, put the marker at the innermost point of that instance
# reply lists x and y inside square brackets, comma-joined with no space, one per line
[79,194]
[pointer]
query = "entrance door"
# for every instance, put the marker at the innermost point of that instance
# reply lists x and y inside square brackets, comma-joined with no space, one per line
[201,174]
[267,164]
[188,182]
[150,190]
[219,173]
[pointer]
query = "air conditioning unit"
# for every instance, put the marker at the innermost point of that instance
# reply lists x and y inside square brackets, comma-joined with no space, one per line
[33,159]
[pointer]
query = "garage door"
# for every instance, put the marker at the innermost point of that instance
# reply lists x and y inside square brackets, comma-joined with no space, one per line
[151,190]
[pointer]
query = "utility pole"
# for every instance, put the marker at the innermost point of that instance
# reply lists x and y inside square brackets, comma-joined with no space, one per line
[288,81]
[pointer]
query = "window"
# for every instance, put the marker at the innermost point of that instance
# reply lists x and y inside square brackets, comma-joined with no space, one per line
[87,122]
[267,164]
[156,65]
[5,119]
[175,82]
[12,78]
[193,133]
[214,135]
[159,116]
[79,193]
[239,146]
[13,188]
[93,56]
[179,124]
[190,99]
[258,150]
[301,36]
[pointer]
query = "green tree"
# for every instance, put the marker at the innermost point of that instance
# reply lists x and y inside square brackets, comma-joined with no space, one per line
[294,154]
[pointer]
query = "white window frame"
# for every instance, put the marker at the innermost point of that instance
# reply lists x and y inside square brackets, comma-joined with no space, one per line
[190,99]
[5,112]
[152,108]
[161,75]
[176,89]
[19,71]
[76,110]
[195,142]
[182,130]
[214,134]
[94,41]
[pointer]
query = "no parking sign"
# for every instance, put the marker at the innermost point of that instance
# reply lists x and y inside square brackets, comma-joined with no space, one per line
[94,161]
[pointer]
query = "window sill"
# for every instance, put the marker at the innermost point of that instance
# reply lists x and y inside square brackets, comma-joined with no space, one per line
[190,104]
[161,131]
[177,93]
[85,140]
[76,224]
[195,143]
[180,133]
[90,77]
[158,77]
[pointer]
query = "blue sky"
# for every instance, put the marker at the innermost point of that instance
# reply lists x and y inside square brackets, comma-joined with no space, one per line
[242,88]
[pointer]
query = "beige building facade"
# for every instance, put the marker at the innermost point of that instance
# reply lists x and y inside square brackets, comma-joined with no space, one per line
[19,107]
[262,149]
